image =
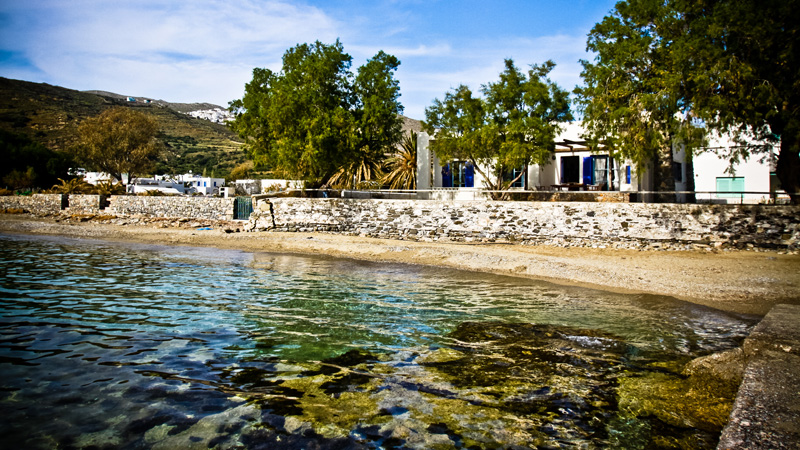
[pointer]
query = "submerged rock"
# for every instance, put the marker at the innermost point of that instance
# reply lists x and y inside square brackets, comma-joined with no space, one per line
[497,385]
[724,369]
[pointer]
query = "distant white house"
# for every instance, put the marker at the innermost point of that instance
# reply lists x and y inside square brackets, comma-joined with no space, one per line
[161,183]
[254,187]
[96,177]
[201,185]
[216,115]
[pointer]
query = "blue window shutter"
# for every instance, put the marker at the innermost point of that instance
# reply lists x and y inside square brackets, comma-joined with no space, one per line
[588,170]
[628,175]
[447,177]
[470,175]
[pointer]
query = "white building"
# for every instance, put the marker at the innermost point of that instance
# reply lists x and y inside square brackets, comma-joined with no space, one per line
[201,185]
[96,177]
[751,181]
[216,115]
[255,187]
[161,183]
[574,167]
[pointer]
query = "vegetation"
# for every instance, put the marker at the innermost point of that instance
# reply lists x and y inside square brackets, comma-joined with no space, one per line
[119,141]
[401,168]
[315,121]
[50,115]
[513,125]
[108,187]
[28,164]
[666,69]
[72,186]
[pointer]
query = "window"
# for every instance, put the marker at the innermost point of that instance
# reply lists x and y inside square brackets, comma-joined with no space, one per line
[463,174]
[595,170]
[627,174]
[730,187]
[600,173]
[570,169]
[513,174]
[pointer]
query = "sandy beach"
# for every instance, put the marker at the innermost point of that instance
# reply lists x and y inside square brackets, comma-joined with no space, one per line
[740,281]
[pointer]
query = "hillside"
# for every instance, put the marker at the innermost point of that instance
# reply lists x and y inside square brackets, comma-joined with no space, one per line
[51,114]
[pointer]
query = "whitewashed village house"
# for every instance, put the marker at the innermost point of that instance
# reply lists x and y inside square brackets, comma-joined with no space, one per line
[196,184]
[575,167]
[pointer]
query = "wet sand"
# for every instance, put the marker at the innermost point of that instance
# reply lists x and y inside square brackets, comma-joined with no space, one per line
[740,281]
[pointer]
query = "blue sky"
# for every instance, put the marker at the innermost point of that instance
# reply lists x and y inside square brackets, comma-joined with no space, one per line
[205,50]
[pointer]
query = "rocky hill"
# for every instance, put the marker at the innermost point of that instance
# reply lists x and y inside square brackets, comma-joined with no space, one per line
[51,114]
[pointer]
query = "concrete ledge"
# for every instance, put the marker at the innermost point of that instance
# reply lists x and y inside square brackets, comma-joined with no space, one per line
[766,413]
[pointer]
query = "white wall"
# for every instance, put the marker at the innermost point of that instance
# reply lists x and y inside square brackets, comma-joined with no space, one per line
[429,167]
[708,167]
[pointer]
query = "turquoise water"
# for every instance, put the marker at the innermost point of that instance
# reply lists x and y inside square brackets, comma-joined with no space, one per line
[106,345]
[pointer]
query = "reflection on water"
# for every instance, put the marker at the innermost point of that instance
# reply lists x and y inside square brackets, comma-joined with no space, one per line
[108,345]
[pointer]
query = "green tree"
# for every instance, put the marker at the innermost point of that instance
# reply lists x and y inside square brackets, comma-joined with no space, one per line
[513,125]
[733,64]
[743,72]
[28,164]
[633,101]
[18,179]
[119,141]
[242,171]
[317,121]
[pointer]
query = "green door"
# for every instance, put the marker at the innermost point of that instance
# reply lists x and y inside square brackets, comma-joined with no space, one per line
[242,207]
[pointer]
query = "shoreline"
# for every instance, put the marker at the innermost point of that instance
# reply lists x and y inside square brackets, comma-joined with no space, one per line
[737,281]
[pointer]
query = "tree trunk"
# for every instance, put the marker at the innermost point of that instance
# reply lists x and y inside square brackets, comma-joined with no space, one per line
[788,169]
[663,181]
[690,198]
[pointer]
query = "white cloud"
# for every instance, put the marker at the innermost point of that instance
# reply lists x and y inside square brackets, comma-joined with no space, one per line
[164,47]
[205,50]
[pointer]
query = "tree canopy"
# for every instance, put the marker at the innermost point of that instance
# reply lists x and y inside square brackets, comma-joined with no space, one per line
[317,121]
[27,164]
[514,124]
[672,69]
[119,141]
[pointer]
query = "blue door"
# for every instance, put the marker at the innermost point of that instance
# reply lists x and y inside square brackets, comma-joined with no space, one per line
[588,170]
[469,175]
[447,176]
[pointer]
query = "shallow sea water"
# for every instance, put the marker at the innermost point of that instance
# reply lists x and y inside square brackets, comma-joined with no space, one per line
[107,345]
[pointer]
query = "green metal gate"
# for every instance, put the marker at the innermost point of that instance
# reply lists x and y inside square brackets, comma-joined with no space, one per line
[242,208]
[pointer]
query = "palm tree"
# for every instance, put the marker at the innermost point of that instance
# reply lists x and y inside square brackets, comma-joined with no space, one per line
[365,171]
[402,166]
[72,186]
[108,187]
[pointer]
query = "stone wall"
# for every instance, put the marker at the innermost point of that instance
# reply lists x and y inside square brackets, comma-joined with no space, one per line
[84,204]
[602,223]
[172,207]
[35,204]
[123,205]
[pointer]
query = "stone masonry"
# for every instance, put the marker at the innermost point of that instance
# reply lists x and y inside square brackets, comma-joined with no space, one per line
[763,226]
[35,204]
[172,207]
